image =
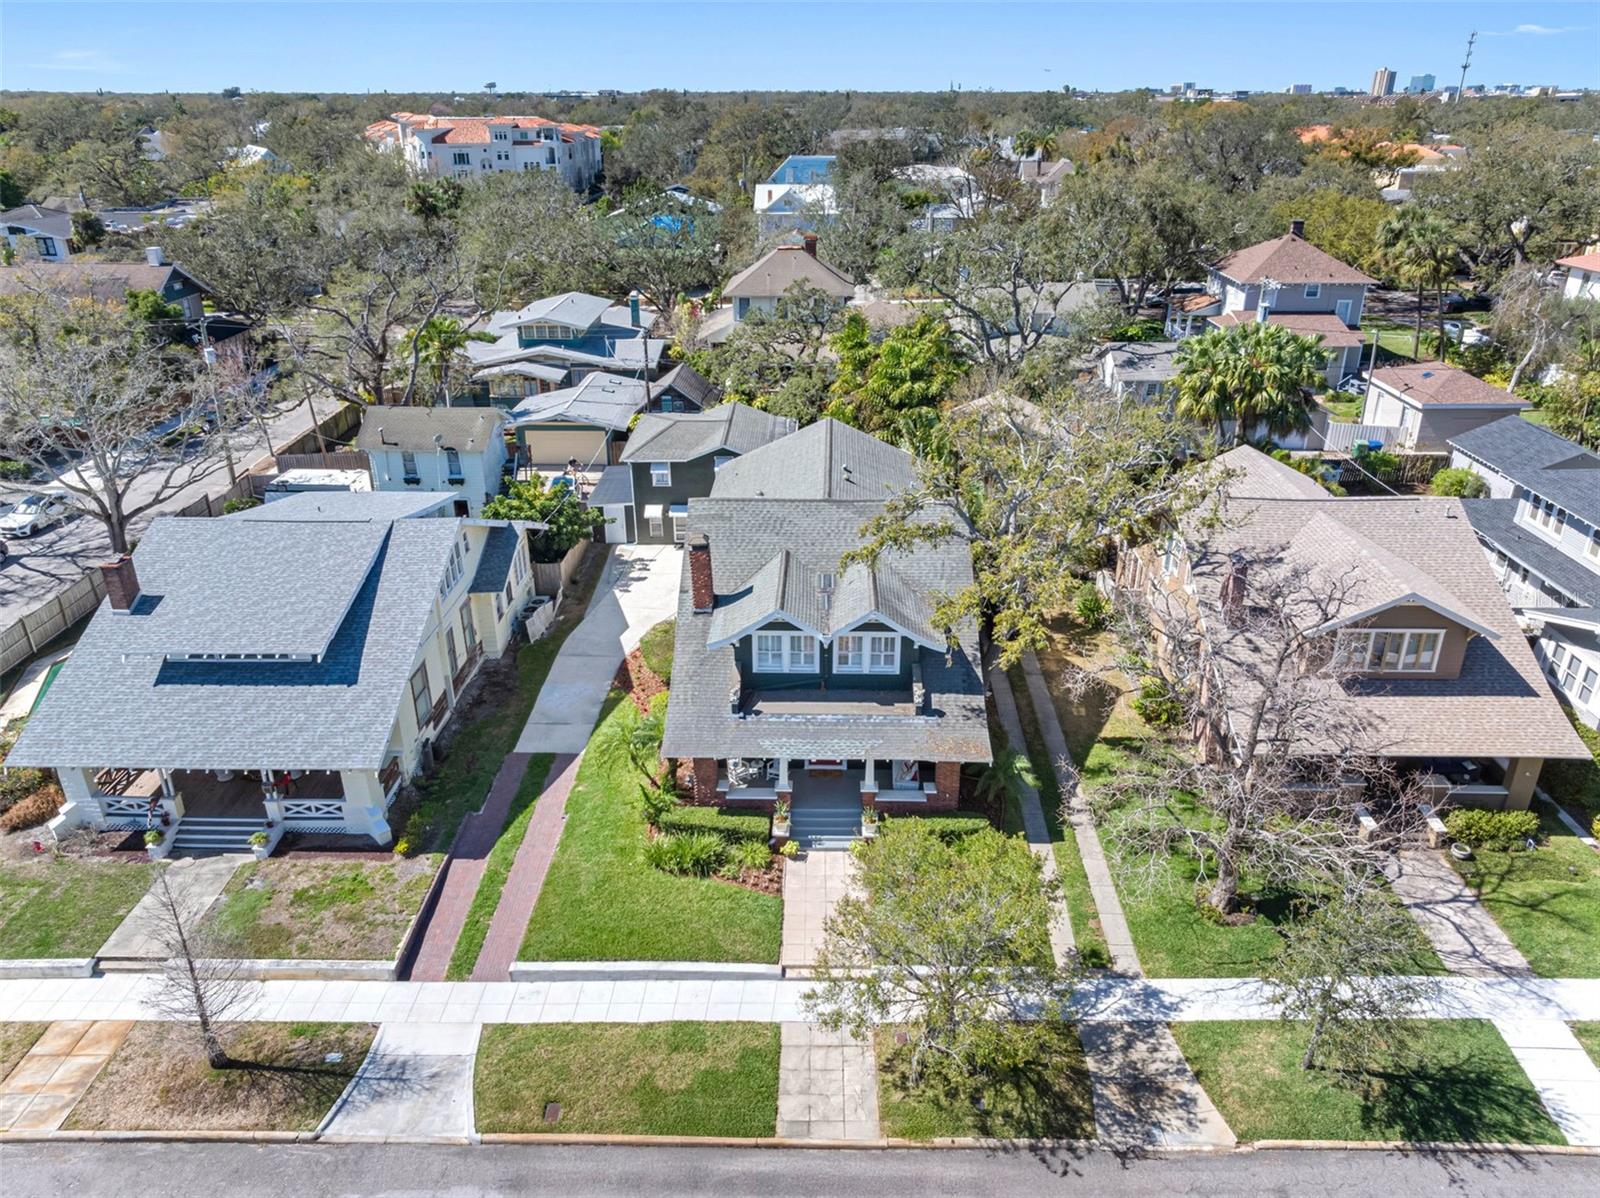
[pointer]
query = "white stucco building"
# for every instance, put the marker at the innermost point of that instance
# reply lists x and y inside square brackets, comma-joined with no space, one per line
[468,147]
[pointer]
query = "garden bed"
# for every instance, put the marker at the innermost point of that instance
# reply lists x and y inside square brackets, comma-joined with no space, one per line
[1465,1086]
[661,1079]
[300,908]
[159,1079]
[60,906]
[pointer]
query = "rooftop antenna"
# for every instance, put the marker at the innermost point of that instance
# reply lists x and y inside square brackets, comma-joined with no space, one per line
[1467,62]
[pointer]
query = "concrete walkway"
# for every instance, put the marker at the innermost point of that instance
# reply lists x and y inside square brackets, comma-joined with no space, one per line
[1460,927]
[416,1082]
[813,883]
[463,870]
[1145,1094]
[638,590]
[1562,1072]
[1108,907]
[55,1074]
[1034,825]
[827,1085]
[195,883]
[528,870]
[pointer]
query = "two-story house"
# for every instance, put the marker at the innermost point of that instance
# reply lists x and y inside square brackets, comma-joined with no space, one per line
[1540,527]
[462,147]
[1582,279]
[285,669]
[797,196]
[35,230]
[799,679]
[672,458]
[1286,281]
[1422,405]
[772,281]
[585,424]
[1437,677]
[555,341]
[460,450]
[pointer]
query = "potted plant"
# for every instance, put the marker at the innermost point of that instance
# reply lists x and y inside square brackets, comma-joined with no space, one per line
[780,819]
[869,822]
[155,843]
[1460,850]
[261,843]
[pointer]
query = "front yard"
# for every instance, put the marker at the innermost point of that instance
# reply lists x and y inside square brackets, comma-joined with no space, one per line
[59,906]
[1465,1087]
[603,902]
[1546,901]
[285,1080]
[660,1079]
[320,907]
[1589,1036]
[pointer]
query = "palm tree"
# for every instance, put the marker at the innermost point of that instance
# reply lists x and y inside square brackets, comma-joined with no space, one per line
[1010,773]
[1420,248]
[437,343]
[1252,374]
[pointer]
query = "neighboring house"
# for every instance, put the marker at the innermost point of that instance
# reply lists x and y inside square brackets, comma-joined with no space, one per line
[470,147]
[290,665]
[683,389]
[1582,276]
[1446,684]
[766,285]
[1046,177]
[48,229]
[796,195]
[796,679]
[671,459]
[1140,369]
[1425,404]
[1342,342]
[110,282]
[584,423]
[1540,527]
[554,342]
[460,450]
[1272,280]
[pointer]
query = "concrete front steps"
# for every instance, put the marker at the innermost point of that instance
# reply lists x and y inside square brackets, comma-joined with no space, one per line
[200,836]
[818,825]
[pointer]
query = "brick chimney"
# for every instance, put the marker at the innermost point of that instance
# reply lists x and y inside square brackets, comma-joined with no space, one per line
[1235,588]
[122,584]
[700,588]
[809,241]
[1297,228]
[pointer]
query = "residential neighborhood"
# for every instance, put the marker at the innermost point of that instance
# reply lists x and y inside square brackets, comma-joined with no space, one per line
[696,618]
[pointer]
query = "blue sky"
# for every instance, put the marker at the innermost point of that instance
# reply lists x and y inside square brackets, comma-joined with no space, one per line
[331,45]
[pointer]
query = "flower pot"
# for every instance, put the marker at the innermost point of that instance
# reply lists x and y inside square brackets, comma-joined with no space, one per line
[1461,852]
[868,831]
[780,829]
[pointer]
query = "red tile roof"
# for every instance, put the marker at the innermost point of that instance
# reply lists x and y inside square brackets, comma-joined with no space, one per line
[467,130]
[1581,261]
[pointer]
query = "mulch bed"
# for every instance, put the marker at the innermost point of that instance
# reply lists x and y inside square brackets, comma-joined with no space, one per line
[762,881]
[638,681]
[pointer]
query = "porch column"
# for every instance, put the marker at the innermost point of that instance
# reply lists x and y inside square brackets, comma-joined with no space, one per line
[82,807]
[869,784]
[364,806]
[1522,775]
[947,786]
[170,793]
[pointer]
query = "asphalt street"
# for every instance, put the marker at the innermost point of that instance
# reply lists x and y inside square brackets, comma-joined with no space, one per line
[381,1170]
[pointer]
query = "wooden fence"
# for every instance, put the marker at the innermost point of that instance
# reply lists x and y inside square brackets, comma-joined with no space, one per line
[336,459]
[550,577]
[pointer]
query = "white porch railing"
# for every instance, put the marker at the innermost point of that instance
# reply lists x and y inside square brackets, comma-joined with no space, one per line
[135,811]
[318,810]
[1343,438]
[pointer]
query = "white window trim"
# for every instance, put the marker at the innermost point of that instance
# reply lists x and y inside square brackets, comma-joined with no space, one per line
[1536,510]
[789,661]
[862,654]
[1313,291]
[660,474]
[1349,635]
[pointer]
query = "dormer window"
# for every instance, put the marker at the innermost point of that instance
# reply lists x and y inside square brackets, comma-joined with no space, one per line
[875,653]
[1391,650]
[660,474]
[785,653]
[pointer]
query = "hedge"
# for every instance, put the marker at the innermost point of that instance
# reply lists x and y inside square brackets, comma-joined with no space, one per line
[951,826]
[732,826]
[1492,829]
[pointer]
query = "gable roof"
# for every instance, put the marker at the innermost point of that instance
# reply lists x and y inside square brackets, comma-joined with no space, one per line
[686,381]
[785,587]
[413,427]
[601,399]
[1426,383]
[51,221]
[684,436]
[108,282]
[1287,259]
[1251,474]
[1560,470]
[1142,361]
[577,309]
[494,564]
[782,268]
[1334,332]
[824,460]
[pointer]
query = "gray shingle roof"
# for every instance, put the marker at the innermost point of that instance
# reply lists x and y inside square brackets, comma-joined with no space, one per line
[614,486]
[686,381]
[117,702]
[1561,471]
[825,460]
[782,268]
[50,221]
[683,436]
[494,564]
[1495,520]
[575,309]
[359,507]
[601,399]
[1143,361]
[414,427]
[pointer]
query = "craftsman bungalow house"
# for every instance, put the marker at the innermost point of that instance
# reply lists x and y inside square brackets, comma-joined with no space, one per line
[555,342]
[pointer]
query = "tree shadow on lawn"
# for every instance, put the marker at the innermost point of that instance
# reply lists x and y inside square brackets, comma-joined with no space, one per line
[1452,1100]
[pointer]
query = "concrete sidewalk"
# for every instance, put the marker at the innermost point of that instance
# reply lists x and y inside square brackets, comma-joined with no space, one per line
[416,1082]
[1145,1094]
[827,1085]
[638,590]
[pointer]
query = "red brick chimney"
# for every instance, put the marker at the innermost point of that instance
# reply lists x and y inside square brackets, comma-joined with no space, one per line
[122,584]
[700,588]
[809,241]
[1297,228]
[1235,592]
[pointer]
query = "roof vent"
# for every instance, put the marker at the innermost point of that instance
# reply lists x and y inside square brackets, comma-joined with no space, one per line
[1427,374]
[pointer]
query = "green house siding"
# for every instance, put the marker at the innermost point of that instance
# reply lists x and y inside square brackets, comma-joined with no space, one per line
[690,480]
[744,653]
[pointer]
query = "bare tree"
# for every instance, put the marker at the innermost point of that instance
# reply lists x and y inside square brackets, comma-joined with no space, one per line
[197,985]
[84,394]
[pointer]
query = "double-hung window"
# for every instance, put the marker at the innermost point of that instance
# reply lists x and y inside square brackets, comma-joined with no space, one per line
[849,656]
[452,462]
[1592,549]
[769,652]
[408,466]
[785,653]
[883,654]
[450,650]
[1313,290]
[421,697]
[873,653]
[660,474]
[469,628]
[1546,514]
[802,653]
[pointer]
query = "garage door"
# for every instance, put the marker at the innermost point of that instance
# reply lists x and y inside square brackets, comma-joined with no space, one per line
[555,447]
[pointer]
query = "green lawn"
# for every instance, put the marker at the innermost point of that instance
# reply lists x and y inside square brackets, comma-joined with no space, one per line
[656,647]
[66,906]
[1576,784]
[496,869]
[1546,901]
[601,902]
[660,1079]
[1589,1036]
[459,785]
[1467,1086]
[1047,1098]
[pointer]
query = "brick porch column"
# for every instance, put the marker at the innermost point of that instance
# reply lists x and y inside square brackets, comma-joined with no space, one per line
[705,781]
[947,786]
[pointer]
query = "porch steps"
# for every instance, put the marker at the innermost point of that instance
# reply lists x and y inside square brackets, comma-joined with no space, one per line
[203,835]
[825,827]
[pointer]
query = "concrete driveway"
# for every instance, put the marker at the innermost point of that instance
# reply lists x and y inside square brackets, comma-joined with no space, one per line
[638,590]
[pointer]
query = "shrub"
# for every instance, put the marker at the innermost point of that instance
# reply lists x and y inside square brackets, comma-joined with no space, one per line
[14,472]
[1157,704]
[1594,828]
[743,855]
[153,837]
[1095,955]
[1090,606]
[731,826]
[790,850]
[951,826]
[697,854]
[18,783]
[658,801]
[1491,829]
[229,506]
[38,808]
[1459,482]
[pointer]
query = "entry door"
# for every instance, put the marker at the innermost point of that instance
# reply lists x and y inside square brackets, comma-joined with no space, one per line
[617,530]
[1343,308]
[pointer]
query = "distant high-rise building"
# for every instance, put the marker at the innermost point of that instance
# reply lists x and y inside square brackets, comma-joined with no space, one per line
[1382,82]
[1420,84]
[1299,89]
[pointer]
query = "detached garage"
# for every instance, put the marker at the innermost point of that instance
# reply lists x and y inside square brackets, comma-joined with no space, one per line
[576,423]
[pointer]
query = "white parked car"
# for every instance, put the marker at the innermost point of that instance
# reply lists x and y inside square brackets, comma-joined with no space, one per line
[33,514]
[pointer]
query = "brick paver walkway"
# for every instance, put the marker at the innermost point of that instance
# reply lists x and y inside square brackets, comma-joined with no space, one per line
[464,870]
[57,1071]
[528,870]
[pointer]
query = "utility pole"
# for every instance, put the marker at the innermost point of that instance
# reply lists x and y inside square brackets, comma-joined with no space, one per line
[1467,62]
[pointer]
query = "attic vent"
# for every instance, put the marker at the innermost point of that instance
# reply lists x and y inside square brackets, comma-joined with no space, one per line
[825,588]
[1427,374]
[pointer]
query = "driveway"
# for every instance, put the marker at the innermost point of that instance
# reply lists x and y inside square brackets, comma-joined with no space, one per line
[638,590]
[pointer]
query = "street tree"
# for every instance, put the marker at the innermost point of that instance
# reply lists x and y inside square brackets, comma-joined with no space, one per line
[200,983]
[1248,377]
